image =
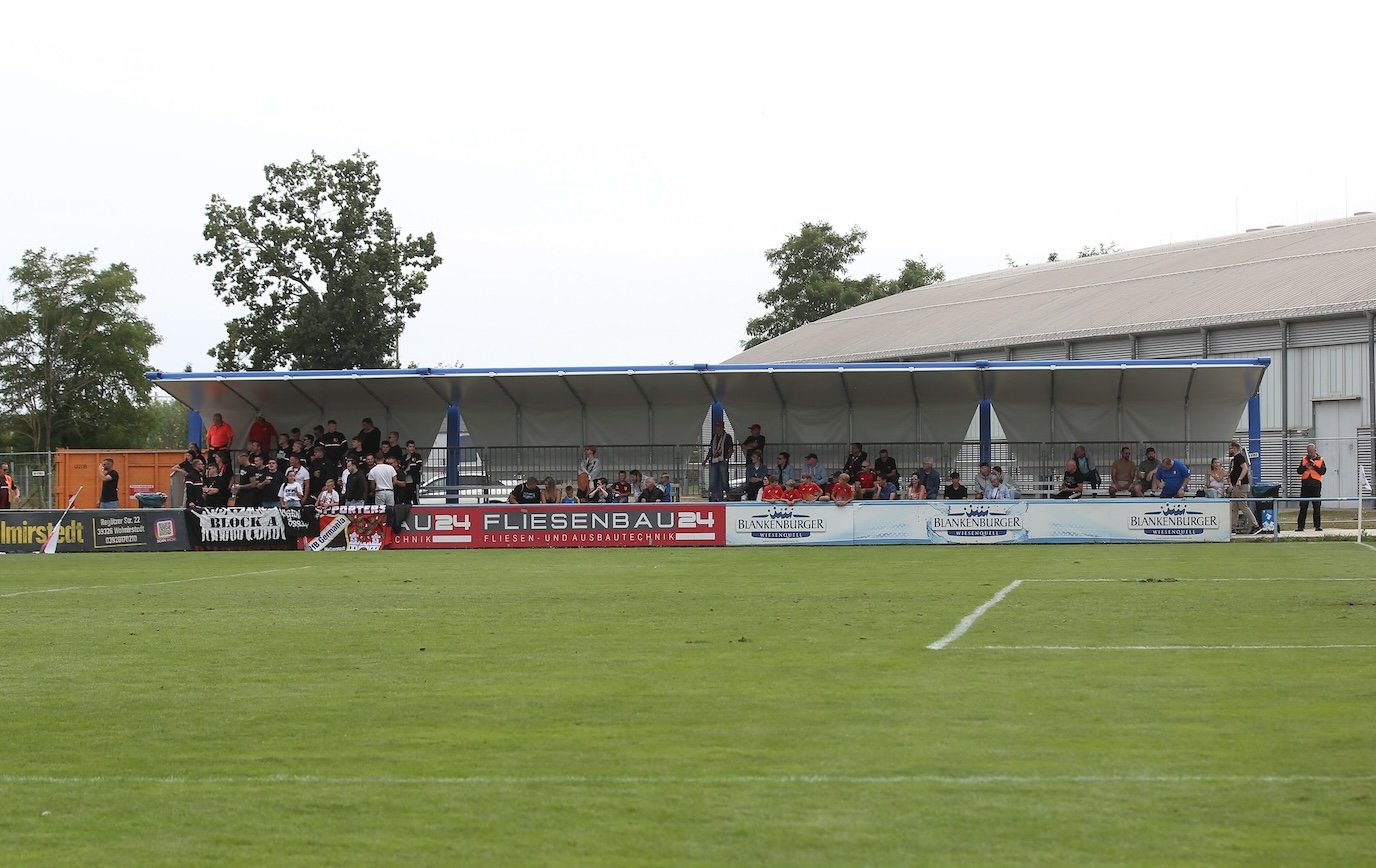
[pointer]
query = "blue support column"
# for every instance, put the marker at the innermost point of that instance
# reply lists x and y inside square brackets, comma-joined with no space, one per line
[718,412]
[986,431]
[1254,435]
[195,428]
[453,433]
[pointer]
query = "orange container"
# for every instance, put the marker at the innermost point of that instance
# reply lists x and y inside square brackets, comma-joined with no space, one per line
[139,470]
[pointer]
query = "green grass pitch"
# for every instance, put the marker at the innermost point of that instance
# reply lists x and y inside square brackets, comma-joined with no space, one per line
[1153,704]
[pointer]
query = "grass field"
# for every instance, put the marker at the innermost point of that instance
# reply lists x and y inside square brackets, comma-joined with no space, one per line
[1196,704]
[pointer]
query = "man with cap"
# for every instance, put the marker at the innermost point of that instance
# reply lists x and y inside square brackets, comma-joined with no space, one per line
[754,443]
[526,493]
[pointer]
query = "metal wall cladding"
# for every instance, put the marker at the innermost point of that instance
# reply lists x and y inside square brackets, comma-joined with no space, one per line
[1171,345]
[1323,332]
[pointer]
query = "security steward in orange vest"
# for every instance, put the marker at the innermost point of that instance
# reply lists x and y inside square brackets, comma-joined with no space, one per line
[1311,471]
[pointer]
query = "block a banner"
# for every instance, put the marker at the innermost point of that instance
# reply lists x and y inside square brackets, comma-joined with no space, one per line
[559,526]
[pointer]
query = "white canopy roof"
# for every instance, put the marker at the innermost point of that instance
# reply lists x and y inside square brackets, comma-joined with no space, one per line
[1186,399]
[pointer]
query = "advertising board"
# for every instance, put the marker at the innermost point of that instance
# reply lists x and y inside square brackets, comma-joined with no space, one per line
[554,526]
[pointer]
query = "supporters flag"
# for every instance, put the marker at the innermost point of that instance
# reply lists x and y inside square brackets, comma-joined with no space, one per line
[50,544]
[1366,480]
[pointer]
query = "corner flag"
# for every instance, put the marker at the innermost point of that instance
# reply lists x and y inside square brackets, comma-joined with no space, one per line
[50,544]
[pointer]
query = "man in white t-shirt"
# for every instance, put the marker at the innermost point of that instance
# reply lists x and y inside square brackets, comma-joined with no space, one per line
[382,478]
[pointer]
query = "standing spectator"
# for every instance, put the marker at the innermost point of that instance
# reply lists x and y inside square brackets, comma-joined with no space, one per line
[754,442]
[841,491]
[382,477]
[297,472]
[667,486]
[334,442]
[589,470]
[243,488]
[954,490]
[412,466]
[261,432]
[220,436]
[1311,471]
[328,498]
[1240,477]
[857,457]
[109,485]
[195,483]
[370,438]
[291,494]
[216,491]
[931,480]
[718,461]
[808,489]
[886,467]
[273,480]
[355,484]
[320,468]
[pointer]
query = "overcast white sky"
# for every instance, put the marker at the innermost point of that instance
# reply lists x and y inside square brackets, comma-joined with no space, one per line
[603,178]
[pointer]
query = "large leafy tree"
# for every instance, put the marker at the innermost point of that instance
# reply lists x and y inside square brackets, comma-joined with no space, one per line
[324,277]
[811,267]
[73,351]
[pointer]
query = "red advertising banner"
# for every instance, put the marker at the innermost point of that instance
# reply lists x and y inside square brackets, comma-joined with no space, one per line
[572,526]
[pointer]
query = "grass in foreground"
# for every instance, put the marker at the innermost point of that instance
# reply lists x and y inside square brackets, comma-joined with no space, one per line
[691,707]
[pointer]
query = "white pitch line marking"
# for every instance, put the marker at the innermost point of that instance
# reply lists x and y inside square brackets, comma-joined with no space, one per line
[481,780]
[970,619]
[1161,647]
[151,584]
[1176,581]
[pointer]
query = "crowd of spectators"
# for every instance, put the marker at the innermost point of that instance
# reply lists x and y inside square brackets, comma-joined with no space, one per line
[319,467]
[592,486]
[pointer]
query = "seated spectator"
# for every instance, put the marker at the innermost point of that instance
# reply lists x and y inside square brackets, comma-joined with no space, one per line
[997,489]
[600,491]
[1174,476]
[527,493]
[916,490]
[885,489]
[1083,463]
[808,489]
[650,493]
[954,490]
[637,485]
[865,486]
[1147,480]
[755,476]
[1215,484]
[982,480]
[1007,483]
[842,492]
[570,495]
[772,492]
[1122,475]
[1072,485]
[666,486]
[886,467]
[550,493]
[792,494]
[818,470]
[785,471]
[931,480]
[621,488]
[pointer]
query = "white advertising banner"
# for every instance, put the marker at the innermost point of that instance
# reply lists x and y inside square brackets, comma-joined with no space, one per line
[982,522]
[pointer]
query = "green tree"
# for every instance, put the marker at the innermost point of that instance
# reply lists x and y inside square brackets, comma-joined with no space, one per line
[73,351]
[811,268]
[321,272]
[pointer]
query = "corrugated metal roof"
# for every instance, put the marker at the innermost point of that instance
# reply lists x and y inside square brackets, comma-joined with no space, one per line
[1298,272]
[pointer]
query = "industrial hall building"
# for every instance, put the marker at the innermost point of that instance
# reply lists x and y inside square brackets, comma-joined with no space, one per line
[1303,296]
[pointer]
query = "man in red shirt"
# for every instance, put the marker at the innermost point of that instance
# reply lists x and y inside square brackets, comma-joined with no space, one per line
[865,483]
[772,492]
[621,488]
[262,432]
